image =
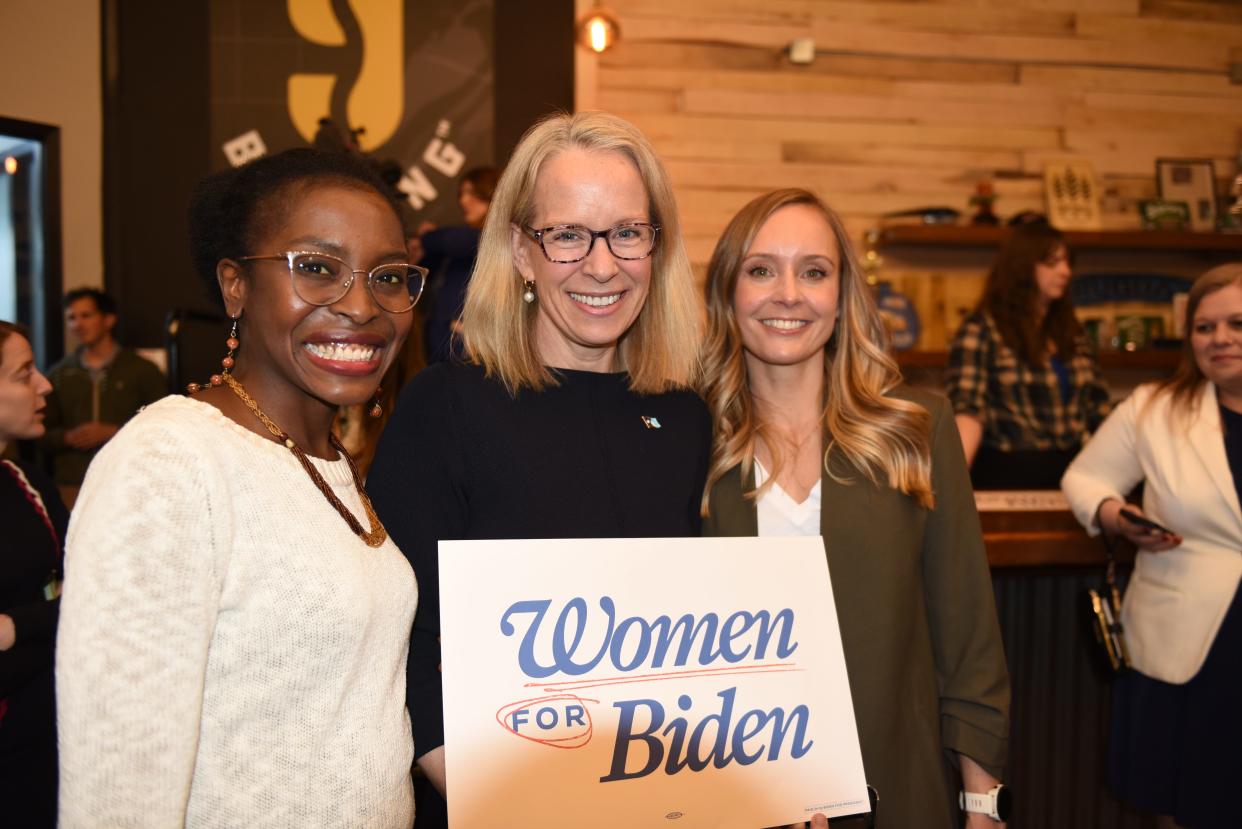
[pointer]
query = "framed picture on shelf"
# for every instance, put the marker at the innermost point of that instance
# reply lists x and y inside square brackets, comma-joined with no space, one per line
[1073,195]
[1193,181]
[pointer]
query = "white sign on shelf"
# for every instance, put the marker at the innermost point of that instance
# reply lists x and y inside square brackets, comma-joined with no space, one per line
[1020,500]
[685,683]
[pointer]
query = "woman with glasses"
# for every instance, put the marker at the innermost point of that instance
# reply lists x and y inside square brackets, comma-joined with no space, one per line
[236,619]
[816,436]
[1024,383]
[572,418]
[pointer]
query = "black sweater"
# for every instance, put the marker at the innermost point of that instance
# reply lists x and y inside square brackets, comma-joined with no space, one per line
[30,554]
[461,459]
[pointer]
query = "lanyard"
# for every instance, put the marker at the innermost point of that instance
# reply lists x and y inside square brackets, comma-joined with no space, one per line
[36,500]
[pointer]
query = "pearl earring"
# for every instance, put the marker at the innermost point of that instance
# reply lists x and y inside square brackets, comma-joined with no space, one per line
[529,295]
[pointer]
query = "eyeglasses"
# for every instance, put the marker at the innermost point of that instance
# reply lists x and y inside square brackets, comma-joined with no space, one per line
[321,279]
[572,243]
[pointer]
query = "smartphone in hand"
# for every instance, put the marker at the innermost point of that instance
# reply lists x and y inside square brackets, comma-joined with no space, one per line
[1146,523]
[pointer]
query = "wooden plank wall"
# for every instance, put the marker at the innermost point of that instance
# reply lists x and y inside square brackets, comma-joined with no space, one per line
[910,104]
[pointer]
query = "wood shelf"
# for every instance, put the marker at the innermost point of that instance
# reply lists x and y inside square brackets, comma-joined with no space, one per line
[986,236]
[1164,360]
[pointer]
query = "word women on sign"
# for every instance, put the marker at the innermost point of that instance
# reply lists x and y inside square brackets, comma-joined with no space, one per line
[572,643]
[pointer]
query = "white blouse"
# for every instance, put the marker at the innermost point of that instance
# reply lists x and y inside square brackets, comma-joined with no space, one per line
[780,514]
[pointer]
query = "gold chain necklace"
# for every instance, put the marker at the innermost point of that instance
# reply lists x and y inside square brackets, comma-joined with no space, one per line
[376,536]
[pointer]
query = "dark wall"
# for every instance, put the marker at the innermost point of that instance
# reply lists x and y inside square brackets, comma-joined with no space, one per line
[534,66]
[158,134]
[156,146]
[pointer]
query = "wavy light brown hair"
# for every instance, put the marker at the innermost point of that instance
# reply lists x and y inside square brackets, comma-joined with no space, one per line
[1188,380]
[659,350]
[885,439]
[1011,296]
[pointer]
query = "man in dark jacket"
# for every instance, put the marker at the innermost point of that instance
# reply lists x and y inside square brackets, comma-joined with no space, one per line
[95,389]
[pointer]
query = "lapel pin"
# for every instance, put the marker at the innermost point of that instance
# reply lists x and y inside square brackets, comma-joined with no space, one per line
[650,422]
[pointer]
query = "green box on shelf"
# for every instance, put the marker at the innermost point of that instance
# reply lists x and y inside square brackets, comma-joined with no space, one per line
[1160,214]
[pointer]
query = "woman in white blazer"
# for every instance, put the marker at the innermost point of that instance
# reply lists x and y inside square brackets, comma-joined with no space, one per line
[1177,721]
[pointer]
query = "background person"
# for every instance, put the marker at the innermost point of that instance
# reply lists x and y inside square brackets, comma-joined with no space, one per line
[1176,723]
[33,520]
[581,326]
[448,253]
[95,389]
[236,621]
[815,436]
[1022,378]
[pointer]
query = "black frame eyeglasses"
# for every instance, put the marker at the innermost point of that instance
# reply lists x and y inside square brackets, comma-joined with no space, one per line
[320,279]
[612,237]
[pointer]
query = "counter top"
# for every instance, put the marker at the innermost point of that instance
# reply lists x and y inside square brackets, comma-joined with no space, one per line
[1035,528]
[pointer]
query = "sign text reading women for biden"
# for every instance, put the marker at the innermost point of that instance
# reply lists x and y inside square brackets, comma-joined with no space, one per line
[644,682]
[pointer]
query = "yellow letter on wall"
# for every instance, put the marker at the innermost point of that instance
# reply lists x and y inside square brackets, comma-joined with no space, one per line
[376,100]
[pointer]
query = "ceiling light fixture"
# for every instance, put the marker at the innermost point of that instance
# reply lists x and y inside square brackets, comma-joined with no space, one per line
[599,31]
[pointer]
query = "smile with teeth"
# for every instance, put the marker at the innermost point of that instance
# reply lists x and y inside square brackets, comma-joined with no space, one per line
[342,352]
[785,325]
[596,301]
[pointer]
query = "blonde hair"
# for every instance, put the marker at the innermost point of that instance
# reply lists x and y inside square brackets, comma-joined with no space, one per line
[1188,380]
[659,349]
[884,438]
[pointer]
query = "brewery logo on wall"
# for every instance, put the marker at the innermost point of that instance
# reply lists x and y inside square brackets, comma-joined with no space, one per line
[408,84]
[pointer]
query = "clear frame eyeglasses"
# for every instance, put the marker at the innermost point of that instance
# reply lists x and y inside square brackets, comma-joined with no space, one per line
[322,279]
[565,244]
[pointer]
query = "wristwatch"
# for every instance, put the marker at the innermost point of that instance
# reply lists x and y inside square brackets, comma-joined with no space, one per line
[996,804]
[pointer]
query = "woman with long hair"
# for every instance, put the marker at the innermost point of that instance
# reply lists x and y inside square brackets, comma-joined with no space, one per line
[1024,383]
[816,436]
[236,619]
[34,519]
[1176,724]
[581,327]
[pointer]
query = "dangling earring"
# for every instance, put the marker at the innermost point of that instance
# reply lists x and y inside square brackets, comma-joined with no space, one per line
[376,409]
[227,362]
[529,295]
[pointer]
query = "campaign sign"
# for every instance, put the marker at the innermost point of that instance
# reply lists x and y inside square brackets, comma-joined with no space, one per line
[689,682]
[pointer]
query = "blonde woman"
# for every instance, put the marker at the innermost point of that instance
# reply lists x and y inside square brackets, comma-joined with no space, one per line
[814,436]
[1176,724]
[572,418]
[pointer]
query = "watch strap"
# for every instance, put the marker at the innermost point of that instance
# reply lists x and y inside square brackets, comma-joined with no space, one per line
[984,803]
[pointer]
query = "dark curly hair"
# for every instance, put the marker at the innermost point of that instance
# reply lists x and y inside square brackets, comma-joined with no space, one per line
[231,208]
[1011,296]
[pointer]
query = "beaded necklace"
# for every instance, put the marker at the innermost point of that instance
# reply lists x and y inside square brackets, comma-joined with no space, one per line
[376,536]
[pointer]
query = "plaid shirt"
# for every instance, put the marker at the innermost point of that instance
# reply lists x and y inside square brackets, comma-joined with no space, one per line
[1021,406]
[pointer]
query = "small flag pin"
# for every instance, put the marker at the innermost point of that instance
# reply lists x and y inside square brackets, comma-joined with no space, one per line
[650,422]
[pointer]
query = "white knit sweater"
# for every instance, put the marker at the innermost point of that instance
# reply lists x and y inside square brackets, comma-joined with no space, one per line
[230,654]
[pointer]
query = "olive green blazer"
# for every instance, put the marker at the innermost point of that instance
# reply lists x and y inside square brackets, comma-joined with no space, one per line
[918,625]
